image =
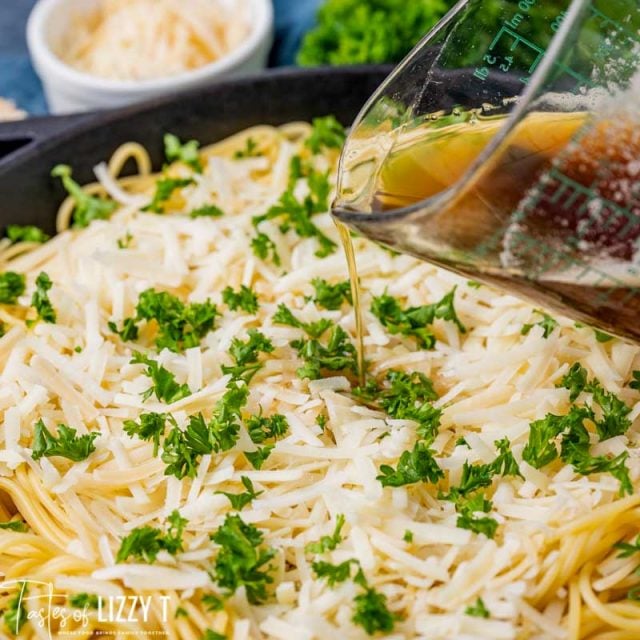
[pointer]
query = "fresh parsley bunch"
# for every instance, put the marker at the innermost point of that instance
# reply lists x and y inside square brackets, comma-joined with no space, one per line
[371,31]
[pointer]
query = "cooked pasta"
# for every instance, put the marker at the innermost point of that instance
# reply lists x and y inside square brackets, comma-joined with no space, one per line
[536,560]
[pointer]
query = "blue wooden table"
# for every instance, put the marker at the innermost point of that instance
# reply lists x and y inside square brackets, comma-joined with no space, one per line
[19,82]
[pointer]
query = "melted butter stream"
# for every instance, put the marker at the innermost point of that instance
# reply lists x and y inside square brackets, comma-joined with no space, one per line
[349,250]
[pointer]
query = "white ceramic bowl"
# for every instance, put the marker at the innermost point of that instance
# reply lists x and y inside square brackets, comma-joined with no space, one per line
[68,90]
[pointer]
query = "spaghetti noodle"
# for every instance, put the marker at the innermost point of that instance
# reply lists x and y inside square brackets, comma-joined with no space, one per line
[552,570]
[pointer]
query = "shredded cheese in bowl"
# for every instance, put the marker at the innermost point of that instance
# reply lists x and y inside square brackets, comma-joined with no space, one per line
[182,420]
[149,39]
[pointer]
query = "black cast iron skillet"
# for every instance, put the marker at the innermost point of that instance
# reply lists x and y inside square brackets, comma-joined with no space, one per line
[29,149]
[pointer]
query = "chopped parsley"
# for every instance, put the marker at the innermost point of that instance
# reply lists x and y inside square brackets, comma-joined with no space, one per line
[164,385]
[635,383]
[144,543]
[326,133]
[213,635]
[245,355]
[26,233]
[415,321]
[628,549]
[242,559]
[334,573]
[328,543]
[285,316]
[66,445]
[16,615]
[478,610]
[87,208]
[212,602]
[12,285]
[408,397]
[331,296]
[150,427]
[258,457]
[187,153]
[245,298]
[84,601]
[371,612]
[14,525]
[240,500]
[40,299]
[263,246]
[602,337]
[180,326]
[125,242]
[297,215]
[338,354]
[129,331]
[250,150]
[262,428]
[408,536]
[164,190]
[468,518]
[417,465]
[183,449]
[207,211]
[547,323]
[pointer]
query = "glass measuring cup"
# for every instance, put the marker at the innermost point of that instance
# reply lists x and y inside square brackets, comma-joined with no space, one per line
[506,147]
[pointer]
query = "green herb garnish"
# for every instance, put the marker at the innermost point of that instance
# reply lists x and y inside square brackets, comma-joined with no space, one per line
[245,298]
[87,208]
[26,233]
[12,285]
[66,445]
[164,190]
[240,500]
[328,543]
[164,385]
[187,153]
[40,299]
[478,610]
[326,133]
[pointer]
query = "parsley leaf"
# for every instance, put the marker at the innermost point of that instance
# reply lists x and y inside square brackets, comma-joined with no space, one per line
[283,315]
[417,465]
[576,380]
[408,536]
[339,354]
[240,500]
[144,543]
[207,211]
[180,326]
[14,525]
[547,323]
[164,190]
[129,331]
[182,449]
[87,208]
[635,383]
[505,464]
[66,445]
[26,233]
[12,285]
[328,543]
[250,150]
[258,457]
[186,153]
[415,321]
[242,559]
[212,602]
[213,635]
[334,573]
[262,428]
[40,299]
[16,615]
[84,600]
[245,355]
[627,549]
[151,426]
[371,612]
[469,520]
[331,296]
[602,337]
[164,386]
[245,299]
[262,245]
[296,215]
[125,242]
[479,610]
[327,133]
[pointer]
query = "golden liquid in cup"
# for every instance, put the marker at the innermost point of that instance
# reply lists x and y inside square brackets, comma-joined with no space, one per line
[565,202]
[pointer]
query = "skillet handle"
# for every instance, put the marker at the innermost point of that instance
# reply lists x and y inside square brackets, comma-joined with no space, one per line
[33,131]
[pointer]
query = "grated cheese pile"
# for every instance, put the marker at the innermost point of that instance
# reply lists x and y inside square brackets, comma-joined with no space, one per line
[147,39]
[492,382]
